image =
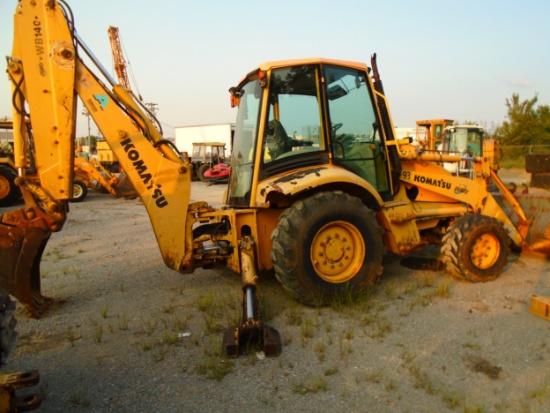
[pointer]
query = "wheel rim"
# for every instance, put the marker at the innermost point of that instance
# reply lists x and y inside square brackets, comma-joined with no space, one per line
[485,251]
[4,187]
[337,252]
[77,191]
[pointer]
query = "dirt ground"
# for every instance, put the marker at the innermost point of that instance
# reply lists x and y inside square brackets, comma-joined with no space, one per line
[127,334]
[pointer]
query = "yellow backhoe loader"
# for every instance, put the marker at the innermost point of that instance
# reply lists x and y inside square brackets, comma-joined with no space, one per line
[91,174]
[319,187]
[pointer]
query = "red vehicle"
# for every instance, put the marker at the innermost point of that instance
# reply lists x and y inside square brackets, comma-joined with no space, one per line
[218,173]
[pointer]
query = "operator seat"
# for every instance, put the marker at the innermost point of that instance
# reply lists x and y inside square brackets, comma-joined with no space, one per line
[277,140]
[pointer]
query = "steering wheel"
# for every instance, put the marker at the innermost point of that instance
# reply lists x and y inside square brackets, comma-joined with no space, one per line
[335,127]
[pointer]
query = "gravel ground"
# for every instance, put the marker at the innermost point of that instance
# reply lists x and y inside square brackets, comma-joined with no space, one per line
[127,334]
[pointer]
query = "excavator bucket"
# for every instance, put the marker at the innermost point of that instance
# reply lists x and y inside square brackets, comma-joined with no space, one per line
[24,234]
[536,207]
[21,250]
[124,188]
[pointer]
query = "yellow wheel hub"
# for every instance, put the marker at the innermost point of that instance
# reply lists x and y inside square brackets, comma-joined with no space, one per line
[337,252]
[4,187]
[485,251]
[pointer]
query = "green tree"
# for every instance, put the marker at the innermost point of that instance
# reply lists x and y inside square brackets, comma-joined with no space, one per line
[527,124]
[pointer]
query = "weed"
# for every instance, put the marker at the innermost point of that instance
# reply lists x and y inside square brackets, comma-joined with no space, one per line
[349,333]
[443,291]
[148,327]
[159,353]
[123,322]
[331,371]
[541,393]
[320,350]
[451,400]
[169,308]
[76,399]
[318,385]
[307,330]
[390,386]
[215,368]
[170,339]
[472,346]
[147,345]
[178,324]
[345,348]
[211,322]
[71,336]
[473,409]
[375,377]
[204,302]
[293,316]
[382,327]
[215,365]
[426,281]
[349,297]
[104,311]
[328,326]
[98,335]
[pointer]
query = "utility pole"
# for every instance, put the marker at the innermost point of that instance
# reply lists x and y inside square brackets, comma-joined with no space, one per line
[87,114]
[152,107]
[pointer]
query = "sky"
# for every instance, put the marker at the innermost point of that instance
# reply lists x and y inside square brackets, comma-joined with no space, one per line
[458,60]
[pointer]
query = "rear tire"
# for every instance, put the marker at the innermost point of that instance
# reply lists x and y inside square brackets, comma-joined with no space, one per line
[200,172]
[80,191]
[327,244]
[476,248]
[9,192]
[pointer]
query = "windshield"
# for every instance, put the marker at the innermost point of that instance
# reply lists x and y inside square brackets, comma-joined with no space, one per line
[242,157]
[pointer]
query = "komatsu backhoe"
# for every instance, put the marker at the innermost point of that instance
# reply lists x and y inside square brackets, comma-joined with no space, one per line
[319,187]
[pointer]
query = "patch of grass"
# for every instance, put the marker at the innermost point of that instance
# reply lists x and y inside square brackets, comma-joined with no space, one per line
[204,302]
[104,311]
[542,393]
[159,353]
[170,339]
[71,336]
[331,371]
[307,330]
[76,399]
[375,377]
[293,316]
[123,322]
[169,307]
[98,334]
[215,365]
[348,296]
[443,291]
[345,348]
[316,386]
[320,350]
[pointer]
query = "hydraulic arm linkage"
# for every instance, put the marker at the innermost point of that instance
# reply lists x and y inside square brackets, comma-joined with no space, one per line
[47,81]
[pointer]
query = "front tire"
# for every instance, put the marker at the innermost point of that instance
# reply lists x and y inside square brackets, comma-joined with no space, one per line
[476,248]
[326,244]
[80,191]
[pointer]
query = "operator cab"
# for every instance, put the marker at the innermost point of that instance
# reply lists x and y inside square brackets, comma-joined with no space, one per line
[294,117]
